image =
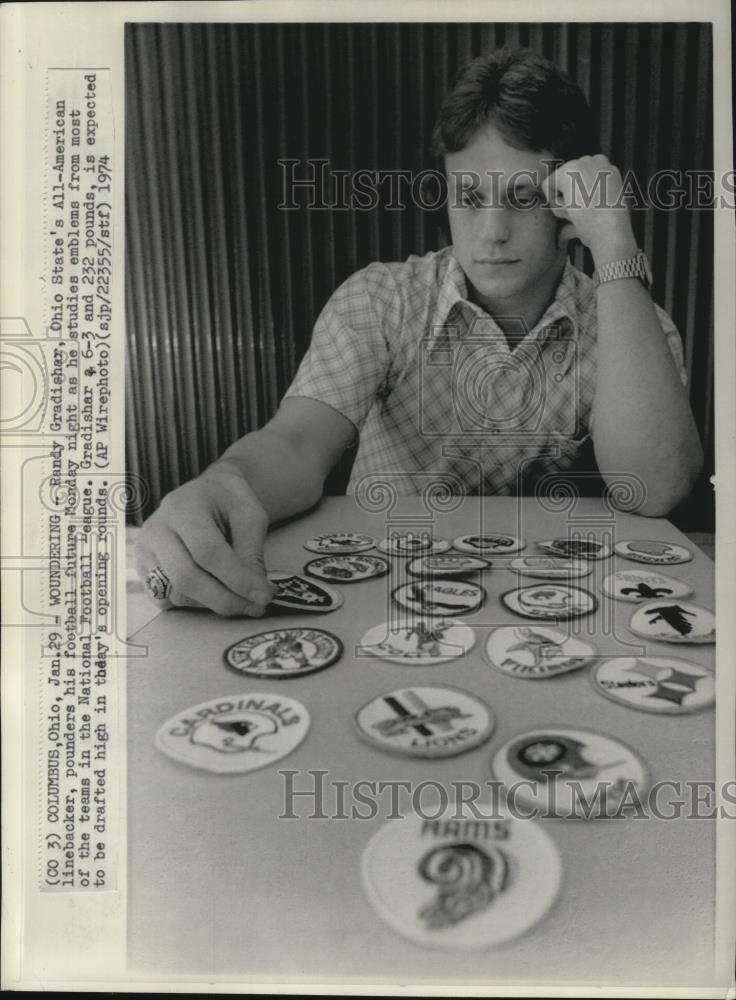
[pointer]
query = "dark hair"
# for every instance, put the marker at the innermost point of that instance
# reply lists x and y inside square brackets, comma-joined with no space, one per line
[532,103]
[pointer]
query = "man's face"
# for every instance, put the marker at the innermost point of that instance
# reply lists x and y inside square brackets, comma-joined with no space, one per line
[504,236]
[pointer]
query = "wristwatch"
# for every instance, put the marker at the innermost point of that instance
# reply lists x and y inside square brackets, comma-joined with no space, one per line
[631,267]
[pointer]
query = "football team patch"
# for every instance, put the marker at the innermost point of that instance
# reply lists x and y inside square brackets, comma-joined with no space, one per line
[550,601]
[347,569]
[236,734]
[284,652]
[650,551]
[344,542]
[410,543]
[551,567]
[535,652]
[440,596]
[575,548]
[297,593]
[665,685]
[447,564]
[418,641]
[674,621]
[637,585]
[489,543]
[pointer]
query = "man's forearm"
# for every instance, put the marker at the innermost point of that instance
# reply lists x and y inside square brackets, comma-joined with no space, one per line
[642,422]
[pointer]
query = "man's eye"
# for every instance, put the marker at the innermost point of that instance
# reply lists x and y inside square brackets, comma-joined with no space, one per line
[527,199]
[469,199]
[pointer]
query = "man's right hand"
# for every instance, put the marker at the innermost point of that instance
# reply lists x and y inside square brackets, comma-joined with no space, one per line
[207,538]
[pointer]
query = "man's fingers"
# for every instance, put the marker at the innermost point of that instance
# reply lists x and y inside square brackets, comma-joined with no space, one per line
[247,536]
[240,567]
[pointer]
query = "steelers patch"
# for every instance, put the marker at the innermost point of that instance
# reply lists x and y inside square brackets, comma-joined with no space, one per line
[535,652]
[440,596]
[417,641]
[410,543]
[424,721]
[551,567]
[665,685]
[550,601]
[566,772]
[575,548]
[284,652]
[297,593]
[649,551]
[674,621]
[235,734]
[637,585]
[344,542]
[347,569]
[488,544]
[447,564]
[460,883]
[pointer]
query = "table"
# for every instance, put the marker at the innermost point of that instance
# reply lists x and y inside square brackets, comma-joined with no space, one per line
[219,888]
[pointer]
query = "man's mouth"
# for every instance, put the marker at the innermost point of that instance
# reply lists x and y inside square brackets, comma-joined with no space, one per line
[496,261]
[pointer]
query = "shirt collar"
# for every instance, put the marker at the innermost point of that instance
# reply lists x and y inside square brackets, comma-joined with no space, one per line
[453,295]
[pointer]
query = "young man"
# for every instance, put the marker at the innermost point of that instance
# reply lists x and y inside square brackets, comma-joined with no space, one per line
[487,364]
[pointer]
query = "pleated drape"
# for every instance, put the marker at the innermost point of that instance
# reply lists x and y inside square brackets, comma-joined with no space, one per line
[223,287]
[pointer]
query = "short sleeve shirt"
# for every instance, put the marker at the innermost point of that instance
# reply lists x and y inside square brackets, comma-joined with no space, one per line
[438,396]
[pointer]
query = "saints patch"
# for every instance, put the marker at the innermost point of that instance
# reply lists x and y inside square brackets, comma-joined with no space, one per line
[665,685]
[551,601]
[650,551]
[297,593]
[571,772]
[418,641]
[347,569]
[235,734]
[458,882]
[410,543]
[489,543]
[637,585]
[440,596]
[284,652]
[674,621]
[345,542]
[551,567]
[425,721]
[446,564]
[534,652]
[575,548]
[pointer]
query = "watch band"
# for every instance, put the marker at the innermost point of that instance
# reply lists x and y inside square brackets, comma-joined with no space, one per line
[630,267]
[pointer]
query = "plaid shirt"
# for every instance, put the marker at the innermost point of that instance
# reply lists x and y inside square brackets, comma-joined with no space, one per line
[437,394]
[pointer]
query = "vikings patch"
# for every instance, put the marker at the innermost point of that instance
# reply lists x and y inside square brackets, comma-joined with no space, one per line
[550,601]
[575,548]
[284,652]
[410,543]
[418,641]
[347,569]
[551,567]
[674,621]
[232,735]
[440,596]
[648,551]
[489,543]
[571,772]
[534,652]
[424,721]
[666,685]
[340,542]
[637,585]
[461,883]
[446,564]
[297,593]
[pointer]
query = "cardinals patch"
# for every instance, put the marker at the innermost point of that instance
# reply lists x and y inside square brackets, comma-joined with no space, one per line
[637,585]
[418,641]
[297,593]
[440,596]
[458,882]
[347,569]
[534,652]
[284,652]
[575,548]
[550,601]
[674,621]
[344,542]
[235,734]
[447,564]
[410,543]
[571,772]
[649,551]
[665,685]
[551,567]
[423,721]
[488,543]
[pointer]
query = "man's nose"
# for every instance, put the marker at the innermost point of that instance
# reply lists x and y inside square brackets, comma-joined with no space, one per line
[495,223]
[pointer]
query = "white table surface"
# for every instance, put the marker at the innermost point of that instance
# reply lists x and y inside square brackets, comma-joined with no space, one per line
[219,888]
